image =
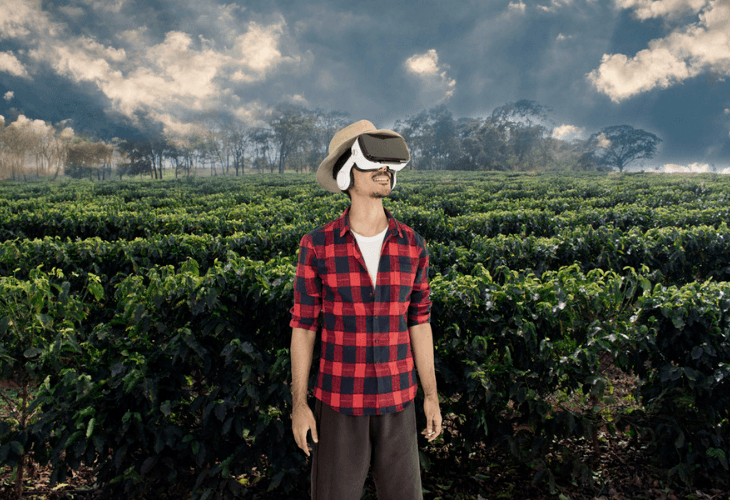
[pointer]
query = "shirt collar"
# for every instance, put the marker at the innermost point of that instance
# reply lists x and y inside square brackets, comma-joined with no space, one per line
[343,223]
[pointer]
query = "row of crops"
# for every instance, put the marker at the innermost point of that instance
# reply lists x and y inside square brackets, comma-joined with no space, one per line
[144,325]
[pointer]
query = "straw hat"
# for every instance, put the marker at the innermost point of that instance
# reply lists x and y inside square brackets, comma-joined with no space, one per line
[341,142]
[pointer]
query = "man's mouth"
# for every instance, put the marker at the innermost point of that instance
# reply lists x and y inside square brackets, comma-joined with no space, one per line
[381,178]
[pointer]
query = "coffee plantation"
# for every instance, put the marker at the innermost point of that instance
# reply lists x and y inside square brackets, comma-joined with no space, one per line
[144,325]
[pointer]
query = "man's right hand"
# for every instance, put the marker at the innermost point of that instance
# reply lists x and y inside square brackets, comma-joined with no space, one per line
[303,422]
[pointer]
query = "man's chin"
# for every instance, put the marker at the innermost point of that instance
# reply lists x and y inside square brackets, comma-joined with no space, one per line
[380,195]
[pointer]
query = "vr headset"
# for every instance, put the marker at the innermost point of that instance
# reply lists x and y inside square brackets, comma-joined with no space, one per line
[373,152]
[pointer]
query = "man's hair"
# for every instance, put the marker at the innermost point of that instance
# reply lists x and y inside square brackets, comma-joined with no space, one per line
[338,166]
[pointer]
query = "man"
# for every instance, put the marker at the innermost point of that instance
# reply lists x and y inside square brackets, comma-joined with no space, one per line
[367,274]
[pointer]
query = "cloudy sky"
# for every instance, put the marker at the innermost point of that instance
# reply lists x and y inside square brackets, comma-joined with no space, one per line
[109,66]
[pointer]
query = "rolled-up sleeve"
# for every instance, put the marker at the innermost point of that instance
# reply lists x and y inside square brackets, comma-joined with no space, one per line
[419,310]
[307,288]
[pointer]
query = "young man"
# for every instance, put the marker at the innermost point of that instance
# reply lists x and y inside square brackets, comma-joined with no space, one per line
[367,274]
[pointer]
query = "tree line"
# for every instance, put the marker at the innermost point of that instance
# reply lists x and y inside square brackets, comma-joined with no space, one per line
[518,136]
[32,148]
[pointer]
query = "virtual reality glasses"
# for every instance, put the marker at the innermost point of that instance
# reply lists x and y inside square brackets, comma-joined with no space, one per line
[373,152]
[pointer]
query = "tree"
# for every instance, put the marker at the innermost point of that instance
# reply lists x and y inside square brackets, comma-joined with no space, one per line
[523,124]
[262,139]
[445,147]
[86,158]
[25,142]
[202,150]
[16,142]
[432,138]
[215,128]
[619,145]
[158,145]
[484,146]
[59,147]
[238,140]
[325,126]
[41,135]
[416,131]
[145,155]
[292,127]
[139,157]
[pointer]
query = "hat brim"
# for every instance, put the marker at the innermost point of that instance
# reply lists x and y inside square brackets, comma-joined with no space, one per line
[324,171]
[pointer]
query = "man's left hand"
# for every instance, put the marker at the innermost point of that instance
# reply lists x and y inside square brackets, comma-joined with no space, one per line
[433,418]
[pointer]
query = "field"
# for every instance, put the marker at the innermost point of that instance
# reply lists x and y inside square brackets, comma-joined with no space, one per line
[582,330]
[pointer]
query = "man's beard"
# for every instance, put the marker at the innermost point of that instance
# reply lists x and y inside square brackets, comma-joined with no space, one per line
[379,194]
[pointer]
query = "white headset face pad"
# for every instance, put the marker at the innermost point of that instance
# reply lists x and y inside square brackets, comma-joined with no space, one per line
[357,157]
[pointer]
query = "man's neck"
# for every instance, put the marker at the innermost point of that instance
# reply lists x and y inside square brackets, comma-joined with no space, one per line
[367,216]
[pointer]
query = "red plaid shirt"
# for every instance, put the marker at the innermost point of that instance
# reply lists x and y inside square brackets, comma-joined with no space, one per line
[366,366]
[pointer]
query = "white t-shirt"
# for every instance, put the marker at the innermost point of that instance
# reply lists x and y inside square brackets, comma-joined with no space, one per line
[370,246]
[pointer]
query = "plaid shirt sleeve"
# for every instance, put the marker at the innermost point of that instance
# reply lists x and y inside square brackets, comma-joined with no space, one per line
[419,310]
[307,288]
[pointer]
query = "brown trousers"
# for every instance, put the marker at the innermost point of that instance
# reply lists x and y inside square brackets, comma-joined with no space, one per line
[349,446]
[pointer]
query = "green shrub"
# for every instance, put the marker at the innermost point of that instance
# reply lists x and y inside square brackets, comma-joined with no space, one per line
[39,319]
[680,347]
[185,389]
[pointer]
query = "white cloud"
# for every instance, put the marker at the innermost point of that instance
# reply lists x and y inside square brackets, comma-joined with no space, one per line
[67,134]
[259,47]
[114,6]
[687,52]
[38,127]
[13,15]
[695,168]
[555,5]
[79,60]
[603,141]
[73,12]
[136,38]
[621,77]
[517,7]
[258,52]
[78,10]
[436,85]
[176,127]
[251,113]
[95,49]
[180,71]
[9,95]
[10,64]
[646,9]
[689,168]
[23,18]
[297,99]
[567,132]
[226,13]
[424,64]
[169,80]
